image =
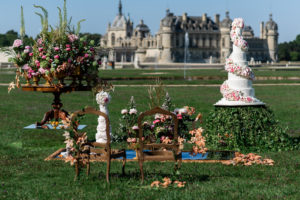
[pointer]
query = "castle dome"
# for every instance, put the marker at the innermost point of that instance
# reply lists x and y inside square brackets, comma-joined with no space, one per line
[226,23]
[142,27]
[168,19]
[271,25]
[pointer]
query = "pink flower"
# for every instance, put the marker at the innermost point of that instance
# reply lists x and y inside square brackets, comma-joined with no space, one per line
[40,41]
[44,57]
[30,54]
[72,38]
[68,49]
[124,111]
[162,138]
[68,45]
[92,49]
[86,55]
[41,49]
[26,67]
[50,60]
[41,54]
[179,116]
[17,43]
[42,70]
[135,128]
[69,60]
[56,48]
[156,121]
[56,56]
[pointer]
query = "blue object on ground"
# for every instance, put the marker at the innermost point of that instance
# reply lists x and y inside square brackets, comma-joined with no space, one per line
[33,126]
[130,154]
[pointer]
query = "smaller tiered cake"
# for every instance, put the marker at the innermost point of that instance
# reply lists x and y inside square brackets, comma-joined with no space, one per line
[237,90]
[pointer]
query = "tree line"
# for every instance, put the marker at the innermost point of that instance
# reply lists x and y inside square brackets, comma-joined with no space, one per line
[289,51]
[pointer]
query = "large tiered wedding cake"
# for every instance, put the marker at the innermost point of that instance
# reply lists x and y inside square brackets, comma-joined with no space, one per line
[237,90]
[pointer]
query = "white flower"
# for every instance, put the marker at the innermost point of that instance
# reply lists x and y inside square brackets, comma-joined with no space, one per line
[124,111]
[67,135]
[182,111]
[103,98]
[132,111]
[176,110]
[135,127]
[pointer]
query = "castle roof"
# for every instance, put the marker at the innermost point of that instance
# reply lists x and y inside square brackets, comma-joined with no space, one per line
[188,22]
[271,25]
[226,23]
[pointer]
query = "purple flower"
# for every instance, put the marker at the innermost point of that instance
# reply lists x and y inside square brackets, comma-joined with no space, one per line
[17,43]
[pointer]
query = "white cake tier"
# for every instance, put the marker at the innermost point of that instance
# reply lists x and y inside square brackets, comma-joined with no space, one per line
[242,84]
[238,55]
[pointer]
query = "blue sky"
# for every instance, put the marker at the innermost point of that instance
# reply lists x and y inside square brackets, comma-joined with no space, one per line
[99,12]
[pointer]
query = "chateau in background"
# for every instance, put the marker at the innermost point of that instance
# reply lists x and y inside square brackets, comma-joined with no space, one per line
[209,40]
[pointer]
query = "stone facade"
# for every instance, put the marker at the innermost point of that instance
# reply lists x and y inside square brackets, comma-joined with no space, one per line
[209,40]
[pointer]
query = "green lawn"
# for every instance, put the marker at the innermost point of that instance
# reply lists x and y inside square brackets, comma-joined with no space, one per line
[25,175]
[193,76]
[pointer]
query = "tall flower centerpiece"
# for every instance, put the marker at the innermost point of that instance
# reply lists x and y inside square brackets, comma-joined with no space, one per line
[56,54]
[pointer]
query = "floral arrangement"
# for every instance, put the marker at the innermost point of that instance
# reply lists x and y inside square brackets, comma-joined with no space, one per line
[128,128]
[248,160]
[234,95]
[159,129]
[236,36]
[56,54]
[243,71]
[199,140]
[168,182]
[75,146]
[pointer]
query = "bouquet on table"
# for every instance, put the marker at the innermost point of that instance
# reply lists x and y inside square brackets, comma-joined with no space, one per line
[55,54]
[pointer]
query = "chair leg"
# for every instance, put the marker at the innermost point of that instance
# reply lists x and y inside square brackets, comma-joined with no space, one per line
[108,171]
[141,170]
[88,169]
[76,171]
[123,164]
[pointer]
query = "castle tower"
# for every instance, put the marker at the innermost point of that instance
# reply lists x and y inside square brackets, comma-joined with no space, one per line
[272,38]
[225,37]
[166,34]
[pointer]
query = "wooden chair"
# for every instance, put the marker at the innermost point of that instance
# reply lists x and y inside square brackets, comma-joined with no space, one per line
[155,153]
[99,151]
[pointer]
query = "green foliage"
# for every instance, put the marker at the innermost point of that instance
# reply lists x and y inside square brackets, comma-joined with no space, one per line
[168,105]
[289,50]
[92,36]
[247,128]
[156,94]
[22,29]
[44,18]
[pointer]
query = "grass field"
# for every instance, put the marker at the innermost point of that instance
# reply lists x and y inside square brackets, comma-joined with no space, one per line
[25,175]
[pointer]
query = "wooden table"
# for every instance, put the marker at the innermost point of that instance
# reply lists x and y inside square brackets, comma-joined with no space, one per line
[56,112]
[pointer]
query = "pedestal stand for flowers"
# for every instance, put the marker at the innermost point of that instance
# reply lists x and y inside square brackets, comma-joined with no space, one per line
[56,112]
